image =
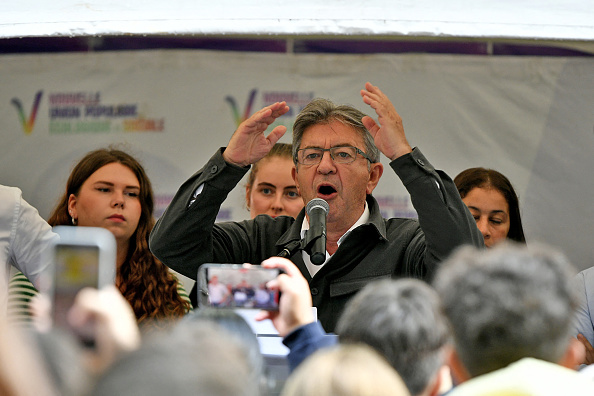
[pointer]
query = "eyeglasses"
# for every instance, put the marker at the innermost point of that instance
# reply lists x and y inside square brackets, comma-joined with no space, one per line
[340,155]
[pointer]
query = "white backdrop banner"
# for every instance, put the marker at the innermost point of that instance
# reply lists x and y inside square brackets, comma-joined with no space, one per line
[531,118]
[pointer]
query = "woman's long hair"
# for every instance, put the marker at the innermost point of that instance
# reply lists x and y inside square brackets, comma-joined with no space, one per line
[489,178]
[144,281]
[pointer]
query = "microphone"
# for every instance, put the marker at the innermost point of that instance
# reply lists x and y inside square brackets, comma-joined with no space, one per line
[315,238]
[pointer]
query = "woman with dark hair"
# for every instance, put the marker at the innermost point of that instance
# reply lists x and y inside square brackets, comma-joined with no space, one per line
[109,188]
[493,202]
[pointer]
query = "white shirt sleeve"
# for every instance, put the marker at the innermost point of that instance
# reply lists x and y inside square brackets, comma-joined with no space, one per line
[25,236]
[196,193]
[583,321]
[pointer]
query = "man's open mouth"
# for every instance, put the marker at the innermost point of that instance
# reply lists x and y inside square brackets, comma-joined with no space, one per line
[326,190]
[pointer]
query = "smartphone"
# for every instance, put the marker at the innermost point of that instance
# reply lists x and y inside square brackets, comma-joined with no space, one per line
[237,286]
[82,257]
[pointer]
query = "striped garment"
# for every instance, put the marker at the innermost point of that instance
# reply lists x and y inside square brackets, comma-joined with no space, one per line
[181,290]
[21,291]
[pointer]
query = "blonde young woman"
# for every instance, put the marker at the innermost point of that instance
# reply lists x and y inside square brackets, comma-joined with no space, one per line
[270,188]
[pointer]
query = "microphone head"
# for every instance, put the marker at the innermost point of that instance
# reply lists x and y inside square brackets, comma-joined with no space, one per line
[317,203]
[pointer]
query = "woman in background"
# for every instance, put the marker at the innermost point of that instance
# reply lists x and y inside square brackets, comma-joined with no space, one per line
[270,188]
[494,204]
[108,188]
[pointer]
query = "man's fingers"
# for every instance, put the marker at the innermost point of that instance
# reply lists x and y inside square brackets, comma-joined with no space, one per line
[276,134]
[585,342]
[273,284]
[261,119]
[374,91]
[256,119]
[270,113]
[371,88]
[263,315]
[279,109]
[286,265]
[370,124]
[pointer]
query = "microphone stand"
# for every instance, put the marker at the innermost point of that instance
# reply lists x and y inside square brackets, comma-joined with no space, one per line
[290,249]
[308,241]
[311,236]
[305,244]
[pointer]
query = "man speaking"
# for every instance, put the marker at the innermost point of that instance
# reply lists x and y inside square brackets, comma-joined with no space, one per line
[336,151]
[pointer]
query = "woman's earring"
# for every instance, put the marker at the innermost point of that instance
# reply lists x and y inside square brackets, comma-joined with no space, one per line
[74,222]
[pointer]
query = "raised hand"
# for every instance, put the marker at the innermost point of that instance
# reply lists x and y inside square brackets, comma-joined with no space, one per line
[249,144]
[388,131]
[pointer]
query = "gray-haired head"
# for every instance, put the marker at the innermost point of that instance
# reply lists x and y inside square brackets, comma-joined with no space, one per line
[507,303]
[201,359]
[237,328]
[402,320]
[323,111]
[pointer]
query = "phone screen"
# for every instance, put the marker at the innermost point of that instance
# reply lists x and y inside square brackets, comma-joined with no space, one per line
[77,267]
[236,287]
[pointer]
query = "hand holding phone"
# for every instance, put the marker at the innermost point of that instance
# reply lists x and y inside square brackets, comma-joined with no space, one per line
[114,322]
[295,304]
[82,257]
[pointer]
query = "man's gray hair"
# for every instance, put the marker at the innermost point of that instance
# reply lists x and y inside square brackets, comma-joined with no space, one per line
[194,358]
[507,303]
[402,320]
[323,111]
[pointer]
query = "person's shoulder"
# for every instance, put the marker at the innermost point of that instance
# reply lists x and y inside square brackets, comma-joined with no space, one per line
[587,274]
[9,199]
[10,193]
[526,376]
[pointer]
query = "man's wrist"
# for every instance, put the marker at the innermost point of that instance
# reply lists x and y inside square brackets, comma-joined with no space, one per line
[306,331]
[400,152]
[231,161]
[299,323]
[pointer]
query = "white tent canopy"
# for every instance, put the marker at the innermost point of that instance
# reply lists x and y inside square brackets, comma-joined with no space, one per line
[568,20]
